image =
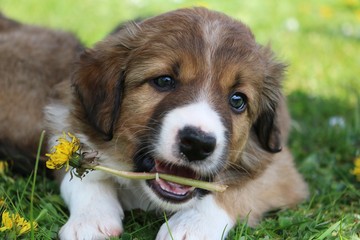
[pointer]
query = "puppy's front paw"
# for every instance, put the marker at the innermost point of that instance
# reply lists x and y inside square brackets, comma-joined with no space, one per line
[190,228]
[91,227]
[95,212]
[205,221]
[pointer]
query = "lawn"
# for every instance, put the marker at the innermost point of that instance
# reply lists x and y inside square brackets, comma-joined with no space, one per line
[320,40]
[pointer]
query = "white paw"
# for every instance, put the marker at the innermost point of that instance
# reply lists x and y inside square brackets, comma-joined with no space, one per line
[204,221]
[95,212]
[91,227]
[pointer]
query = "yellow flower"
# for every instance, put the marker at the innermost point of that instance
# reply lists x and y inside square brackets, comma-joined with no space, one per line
[7,222]
[63,152]
[15,222]
[356,170]
[357,14]
[3,167]
[326,12]
[351,3]
[202,4]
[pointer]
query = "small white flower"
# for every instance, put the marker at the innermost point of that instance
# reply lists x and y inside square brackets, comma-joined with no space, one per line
[337,121]
[292,24]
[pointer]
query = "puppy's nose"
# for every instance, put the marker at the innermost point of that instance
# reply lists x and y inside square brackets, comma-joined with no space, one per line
[196,144]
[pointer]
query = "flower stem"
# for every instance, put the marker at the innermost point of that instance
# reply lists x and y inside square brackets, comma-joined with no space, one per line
[210,186]
[124,174]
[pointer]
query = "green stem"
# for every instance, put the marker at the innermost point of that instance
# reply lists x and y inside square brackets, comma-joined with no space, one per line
[124,174]
[211,186]
[148,176]
[33,185]
[168,227]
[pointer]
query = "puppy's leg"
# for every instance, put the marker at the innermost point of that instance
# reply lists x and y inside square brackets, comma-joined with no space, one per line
[205,220]
[279,186]
[95,212]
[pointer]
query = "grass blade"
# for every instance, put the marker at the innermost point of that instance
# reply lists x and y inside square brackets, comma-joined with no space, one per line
[33,186]
[329,231]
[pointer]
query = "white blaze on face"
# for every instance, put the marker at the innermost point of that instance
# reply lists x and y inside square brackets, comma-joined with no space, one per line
[199,115]
[212,33]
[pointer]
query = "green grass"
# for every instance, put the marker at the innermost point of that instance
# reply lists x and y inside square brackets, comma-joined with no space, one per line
[321,42]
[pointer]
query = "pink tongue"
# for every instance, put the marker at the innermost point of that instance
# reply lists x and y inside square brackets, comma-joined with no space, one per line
[173,187]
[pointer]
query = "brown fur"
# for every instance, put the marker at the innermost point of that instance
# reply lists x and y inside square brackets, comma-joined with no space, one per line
[115,107]
[279,186]
[33,60]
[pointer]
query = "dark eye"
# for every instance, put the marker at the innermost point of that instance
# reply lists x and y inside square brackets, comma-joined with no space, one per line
[238,102]
[164,83]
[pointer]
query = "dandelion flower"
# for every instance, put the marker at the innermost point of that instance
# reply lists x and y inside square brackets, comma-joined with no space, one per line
[351,3]
[15,222]
[7,222]
[68,153]
[23,226]
[356,170]
[326,12]
[63,152]
[3,167]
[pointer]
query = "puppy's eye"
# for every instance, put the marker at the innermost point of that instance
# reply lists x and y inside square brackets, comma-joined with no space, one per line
[238,102]
[163,83]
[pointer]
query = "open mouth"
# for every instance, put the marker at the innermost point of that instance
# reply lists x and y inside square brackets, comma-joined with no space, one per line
[169,191]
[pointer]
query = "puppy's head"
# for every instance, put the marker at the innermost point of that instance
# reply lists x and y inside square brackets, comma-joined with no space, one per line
[188,93]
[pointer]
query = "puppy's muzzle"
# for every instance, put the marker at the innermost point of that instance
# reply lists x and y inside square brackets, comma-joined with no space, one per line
[191,143]
[195,144]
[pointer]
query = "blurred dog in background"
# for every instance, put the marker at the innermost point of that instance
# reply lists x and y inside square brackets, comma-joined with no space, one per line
[33,60]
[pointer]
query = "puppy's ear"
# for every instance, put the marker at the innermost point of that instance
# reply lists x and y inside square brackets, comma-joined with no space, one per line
[268,132]
[98,86]
[99,82]
[268,126]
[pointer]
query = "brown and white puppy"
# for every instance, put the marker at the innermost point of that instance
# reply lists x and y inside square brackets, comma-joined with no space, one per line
[188,93]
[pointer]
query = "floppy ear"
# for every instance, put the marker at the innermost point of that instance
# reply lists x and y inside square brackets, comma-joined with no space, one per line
[267,126]
[98,86]
[99,82]
[267,130]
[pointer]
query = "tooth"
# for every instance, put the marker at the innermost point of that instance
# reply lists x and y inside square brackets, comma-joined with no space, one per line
[157,177]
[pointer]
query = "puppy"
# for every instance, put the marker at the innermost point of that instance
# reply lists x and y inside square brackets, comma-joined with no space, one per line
[188,93]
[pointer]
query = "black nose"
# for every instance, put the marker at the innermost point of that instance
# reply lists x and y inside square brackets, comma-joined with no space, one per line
[196,144]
